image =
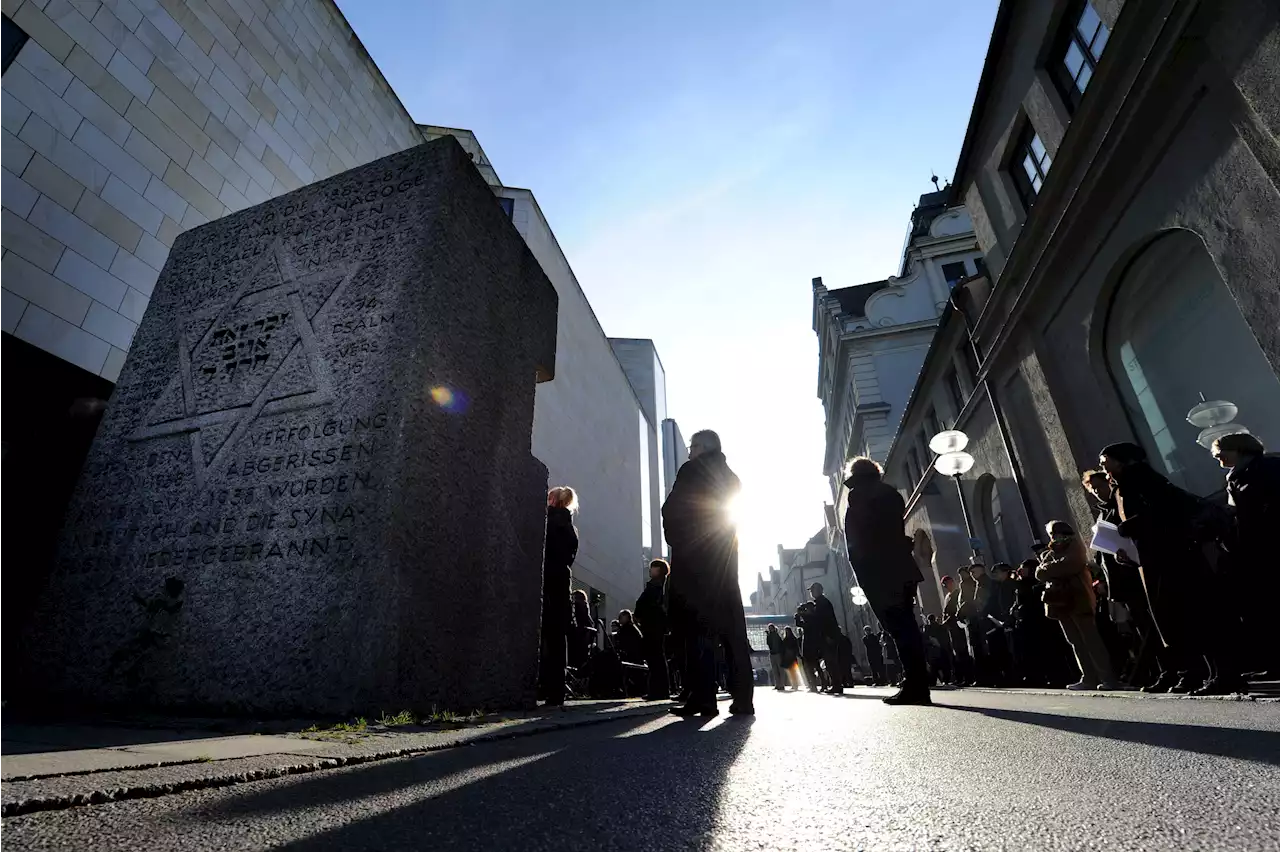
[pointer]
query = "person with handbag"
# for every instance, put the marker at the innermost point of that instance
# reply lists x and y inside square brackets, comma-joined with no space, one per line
[1069,600]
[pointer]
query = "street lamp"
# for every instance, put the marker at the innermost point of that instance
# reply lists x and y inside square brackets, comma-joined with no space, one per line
[1213,419]
[954,462]
[859,596]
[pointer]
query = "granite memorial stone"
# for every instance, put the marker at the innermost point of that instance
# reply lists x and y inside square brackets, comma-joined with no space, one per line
[320,447]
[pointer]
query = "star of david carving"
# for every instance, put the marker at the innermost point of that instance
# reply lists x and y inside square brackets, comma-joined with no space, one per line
[231,375]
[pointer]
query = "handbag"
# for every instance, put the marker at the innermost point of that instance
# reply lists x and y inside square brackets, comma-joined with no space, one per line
[1057,594]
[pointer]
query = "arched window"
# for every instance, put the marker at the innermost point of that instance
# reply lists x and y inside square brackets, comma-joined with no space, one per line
[1173,333]
[992,518]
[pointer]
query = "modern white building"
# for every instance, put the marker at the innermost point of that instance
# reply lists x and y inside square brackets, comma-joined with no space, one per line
[127,122]
[643,367]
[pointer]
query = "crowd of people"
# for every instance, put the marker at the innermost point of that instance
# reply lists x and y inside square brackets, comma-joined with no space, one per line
[1170,610]
[687,632]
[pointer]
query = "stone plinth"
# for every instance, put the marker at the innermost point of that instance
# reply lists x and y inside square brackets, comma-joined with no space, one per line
[323,431]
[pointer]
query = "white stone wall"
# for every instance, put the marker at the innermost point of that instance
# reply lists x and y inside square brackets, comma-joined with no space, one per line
[127,121]
[585,427]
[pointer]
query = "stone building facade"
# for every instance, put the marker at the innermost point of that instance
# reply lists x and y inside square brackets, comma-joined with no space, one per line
[1122,170]
[128,122]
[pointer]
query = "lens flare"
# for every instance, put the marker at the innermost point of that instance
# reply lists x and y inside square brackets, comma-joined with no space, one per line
[449,399]
[735,509]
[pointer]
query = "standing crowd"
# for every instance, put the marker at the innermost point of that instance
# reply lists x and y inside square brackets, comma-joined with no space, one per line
[1174,608]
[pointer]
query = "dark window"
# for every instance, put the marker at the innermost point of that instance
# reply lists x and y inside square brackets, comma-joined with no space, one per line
[914,468]
[1030,164]
[970,362]
[1081,48]
[14,39]
[954,272]
[935,422]
[957,395]
[981,266]
[508,206]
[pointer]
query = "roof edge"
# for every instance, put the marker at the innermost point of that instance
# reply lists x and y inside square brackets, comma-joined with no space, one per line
[995,51]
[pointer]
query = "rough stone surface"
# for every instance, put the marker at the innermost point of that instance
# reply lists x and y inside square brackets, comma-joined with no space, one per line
[323,429]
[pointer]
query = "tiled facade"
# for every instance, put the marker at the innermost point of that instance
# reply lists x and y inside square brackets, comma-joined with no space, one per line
[127,121]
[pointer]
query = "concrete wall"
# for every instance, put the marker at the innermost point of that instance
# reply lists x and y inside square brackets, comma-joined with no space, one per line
[643,368]
[585,427]
[128,121]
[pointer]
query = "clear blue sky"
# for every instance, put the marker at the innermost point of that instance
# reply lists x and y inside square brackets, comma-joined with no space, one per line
[700,162]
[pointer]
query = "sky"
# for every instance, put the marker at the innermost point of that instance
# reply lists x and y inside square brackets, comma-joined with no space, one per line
[700,163]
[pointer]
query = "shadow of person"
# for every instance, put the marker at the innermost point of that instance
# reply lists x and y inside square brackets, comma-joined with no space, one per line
[1238,743]
[636,784]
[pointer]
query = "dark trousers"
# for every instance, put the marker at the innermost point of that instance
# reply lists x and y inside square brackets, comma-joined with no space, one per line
[878,673]
[899,618]
[655,657]
[555,634]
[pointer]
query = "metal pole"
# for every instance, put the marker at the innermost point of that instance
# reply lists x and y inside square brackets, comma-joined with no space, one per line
[998,413]
[968,522]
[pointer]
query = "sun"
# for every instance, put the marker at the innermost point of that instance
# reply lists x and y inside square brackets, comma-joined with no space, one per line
[736,510]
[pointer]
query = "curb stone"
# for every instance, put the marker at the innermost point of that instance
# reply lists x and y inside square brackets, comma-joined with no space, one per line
[97,787]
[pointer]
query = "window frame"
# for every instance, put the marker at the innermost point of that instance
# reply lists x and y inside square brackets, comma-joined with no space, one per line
[952,282]
[1024,150]
[1090,52]
[955,391]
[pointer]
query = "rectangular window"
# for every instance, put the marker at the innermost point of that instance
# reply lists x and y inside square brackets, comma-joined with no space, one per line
[980,264]
[1030,165]
[14,38]
[935,423]
[1080,50]
[914,468]
[954,272]
[508,206]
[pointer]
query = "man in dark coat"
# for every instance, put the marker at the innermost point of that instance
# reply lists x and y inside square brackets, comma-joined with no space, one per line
[557,615]
[827,634]
[1253,492]
[651,613]
[875,656]
[704,578]
[1167,528]
[880,553]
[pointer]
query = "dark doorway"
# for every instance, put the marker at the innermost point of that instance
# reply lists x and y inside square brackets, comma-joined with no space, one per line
[51,412]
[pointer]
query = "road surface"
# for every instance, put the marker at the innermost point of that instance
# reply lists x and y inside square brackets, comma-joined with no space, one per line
[983,770]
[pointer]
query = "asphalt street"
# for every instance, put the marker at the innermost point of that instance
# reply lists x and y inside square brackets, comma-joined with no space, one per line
[980,771]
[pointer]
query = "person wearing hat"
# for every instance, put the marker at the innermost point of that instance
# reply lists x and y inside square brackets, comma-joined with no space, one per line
[881,555]
[827,632]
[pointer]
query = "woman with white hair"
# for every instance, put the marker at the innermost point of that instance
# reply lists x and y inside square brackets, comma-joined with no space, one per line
[561,550]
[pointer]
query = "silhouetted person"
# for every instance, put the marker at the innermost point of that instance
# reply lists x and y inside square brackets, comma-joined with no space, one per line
[938,649]
[875,656]
[1168,527]
[704,551]
[773,639]
[881,556]
[810,647]
[651,613]
[790,655]
[628,640]
[561,550]
[828,636]
[1253,492]
[963,663]
[583,630]
[844,652]
[996,617]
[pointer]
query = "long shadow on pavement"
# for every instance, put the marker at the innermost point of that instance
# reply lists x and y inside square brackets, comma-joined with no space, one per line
[608,786]
[1238,743]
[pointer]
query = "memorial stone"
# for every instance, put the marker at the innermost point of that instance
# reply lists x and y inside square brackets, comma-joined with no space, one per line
[312,491]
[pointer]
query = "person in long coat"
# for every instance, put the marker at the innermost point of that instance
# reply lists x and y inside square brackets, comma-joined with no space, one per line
[704,589]
[1069,600]
[1253,492]
[1168,529]
[561,550]
[651,612]
[880,554]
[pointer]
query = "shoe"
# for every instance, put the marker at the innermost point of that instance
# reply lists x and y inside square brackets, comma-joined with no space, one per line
[736,709]
[688,711]
[656,698]
[1082,686]
[1222,686]
[1163,684]
[1114,686]
[1186,685]
[908,696]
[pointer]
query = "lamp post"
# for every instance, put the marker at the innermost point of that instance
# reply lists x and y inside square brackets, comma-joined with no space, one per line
[1213,419]
[954,462]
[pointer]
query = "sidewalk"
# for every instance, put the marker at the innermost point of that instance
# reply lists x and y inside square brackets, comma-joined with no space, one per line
[53,766]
